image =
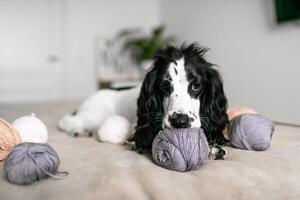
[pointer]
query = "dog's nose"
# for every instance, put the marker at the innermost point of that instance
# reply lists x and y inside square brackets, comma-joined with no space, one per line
[179,120]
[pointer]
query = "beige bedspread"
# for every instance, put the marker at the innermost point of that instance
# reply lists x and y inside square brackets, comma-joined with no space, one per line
[106,171]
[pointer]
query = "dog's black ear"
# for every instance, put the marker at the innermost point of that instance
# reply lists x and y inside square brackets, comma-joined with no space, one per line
[149,111]
[213,107]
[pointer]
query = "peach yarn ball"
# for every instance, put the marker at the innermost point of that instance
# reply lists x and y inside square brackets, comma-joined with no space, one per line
[236,111]
[9,138]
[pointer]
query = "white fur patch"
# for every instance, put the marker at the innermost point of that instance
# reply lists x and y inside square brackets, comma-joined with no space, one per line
[180,100]
[99,106]
[115,129]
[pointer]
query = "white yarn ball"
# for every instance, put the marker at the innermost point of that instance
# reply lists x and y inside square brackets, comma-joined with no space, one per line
[31,129]
[115,129]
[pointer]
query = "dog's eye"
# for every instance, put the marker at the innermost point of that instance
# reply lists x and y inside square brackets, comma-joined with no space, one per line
[165,85]
[195,86]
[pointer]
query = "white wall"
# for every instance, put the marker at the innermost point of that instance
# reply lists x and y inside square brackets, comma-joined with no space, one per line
[36,30]
[259,59]
[30,37]
[87,19]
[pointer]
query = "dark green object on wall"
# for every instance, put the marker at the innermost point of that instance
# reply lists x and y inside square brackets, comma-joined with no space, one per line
[287,10]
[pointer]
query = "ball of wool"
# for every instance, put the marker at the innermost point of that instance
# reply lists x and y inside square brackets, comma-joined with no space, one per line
[9,138]
[115,129]
[251,132]
[236,111]
[180,149]
[31,129]
[29,162]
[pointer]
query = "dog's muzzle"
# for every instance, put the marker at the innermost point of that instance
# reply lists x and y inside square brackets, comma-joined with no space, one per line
[179,120]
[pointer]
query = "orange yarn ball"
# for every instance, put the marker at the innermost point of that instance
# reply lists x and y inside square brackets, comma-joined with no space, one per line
[9,138]
[236,111]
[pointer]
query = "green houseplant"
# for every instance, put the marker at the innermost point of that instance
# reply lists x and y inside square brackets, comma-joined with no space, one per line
[143,48]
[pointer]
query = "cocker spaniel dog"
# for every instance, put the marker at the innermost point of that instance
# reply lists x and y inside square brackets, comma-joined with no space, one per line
[180,90]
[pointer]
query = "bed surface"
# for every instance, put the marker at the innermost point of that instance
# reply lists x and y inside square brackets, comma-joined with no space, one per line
[106,171]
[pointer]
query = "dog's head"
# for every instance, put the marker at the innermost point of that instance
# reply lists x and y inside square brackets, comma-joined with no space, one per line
[181,90]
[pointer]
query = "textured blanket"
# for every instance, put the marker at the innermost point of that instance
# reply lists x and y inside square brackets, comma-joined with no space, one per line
[106,171]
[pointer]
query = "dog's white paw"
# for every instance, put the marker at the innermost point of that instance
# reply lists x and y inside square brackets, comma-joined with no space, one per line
[115,129]
[72,125]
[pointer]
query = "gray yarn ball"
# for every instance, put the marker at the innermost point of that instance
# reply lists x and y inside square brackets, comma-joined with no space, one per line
[251,132]
[180,149]
[29,162]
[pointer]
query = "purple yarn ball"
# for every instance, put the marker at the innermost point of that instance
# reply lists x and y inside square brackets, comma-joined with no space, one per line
[29,162]
[251,132]
[181,150]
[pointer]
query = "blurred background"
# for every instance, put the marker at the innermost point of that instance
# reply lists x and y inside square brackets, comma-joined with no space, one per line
[64,50]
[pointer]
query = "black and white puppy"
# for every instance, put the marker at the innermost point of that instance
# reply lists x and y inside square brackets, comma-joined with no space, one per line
[181,90]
